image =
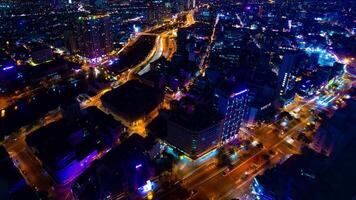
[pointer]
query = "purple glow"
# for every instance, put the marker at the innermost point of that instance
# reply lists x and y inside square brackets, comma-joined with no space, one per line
[138,166]
[238,93]
[248,8]
[75,168]
[8,68]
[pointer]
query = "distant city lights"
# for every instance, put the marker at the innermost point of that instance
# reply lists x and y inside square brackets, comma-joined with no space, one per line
[238,93]
[8,68]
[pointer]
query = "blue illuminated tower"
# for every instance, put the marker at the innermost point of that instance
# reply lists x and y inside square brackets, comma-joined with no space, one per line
[233,105]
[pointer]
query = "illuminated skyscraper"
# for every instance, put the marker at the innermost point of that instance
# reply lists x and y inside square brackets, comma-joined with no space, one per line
[291,61]
[94,37]
[233,105]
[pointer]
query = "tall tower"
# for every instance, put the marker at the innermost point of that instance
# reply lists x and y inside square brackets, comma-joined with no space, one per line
[290,62]
[158,10]
[233,105]
[190,4]
[94,36]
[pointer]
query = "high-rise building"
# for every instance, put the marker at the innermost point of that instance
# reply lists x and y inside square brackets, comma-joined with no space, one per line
[291,61]
[190,4]
[194,130]
[94,35]
[184,39]
[69,41]
[158,10]
[179,6]
[233,105]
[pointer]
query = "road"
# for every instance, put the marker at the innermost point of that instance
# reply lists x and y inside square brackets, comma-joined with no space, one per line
[235,184]
[28,164]
[207,179]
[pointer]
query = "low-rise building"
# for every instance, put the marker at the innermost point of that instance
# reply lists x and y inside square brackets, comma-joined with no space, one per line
[67,147]
[133,103]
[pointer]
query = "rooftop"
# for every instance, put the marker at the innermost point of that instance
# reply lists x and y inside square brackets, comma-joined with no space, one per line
[133,100]
[115,171]
[63,141]
[230,88]
[195,117]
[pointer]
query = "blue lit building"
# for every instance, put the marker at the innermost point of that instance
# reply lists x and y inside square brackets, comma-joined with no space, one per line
[233,105]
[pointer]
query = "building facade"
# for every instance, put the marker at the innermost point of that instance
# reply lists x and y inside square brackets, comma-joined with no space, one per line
[290,62]
[94,35]
[194,143]
[233,106]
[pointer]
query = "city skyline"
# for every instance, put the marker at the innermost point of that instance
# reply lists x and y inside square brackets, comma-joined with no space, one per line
[177,99]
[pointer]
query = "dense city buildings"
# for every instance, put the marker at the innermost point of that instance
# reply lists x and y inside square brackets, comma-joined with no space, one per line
[314,175]
[177,99]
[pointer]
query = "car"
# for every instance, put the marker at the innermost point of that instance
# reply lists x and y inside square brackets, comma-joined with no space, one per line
[80,99]
[244,176]
[226,172]
[265,156]
[260,146]
[253,169]
[83,98]
[271,152]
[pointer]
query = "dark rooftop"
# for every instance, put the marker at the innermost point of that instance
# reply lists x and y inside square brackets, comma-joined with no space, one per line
[195,117]
[228,88]
[74,138]
[115,171]
[132,100]
[58,65]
